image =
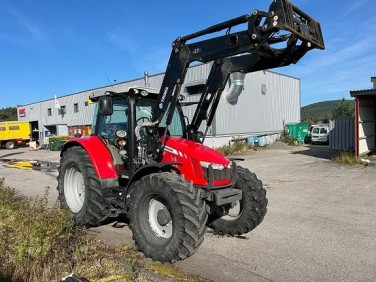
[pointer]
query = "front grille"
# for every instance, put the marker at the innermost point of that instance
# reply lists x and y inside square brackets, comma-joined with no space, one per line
[218,174]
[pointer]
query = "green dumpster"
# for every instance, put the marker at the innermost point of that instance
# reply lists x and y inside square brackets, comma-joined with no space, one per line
[298,130]
[55,143]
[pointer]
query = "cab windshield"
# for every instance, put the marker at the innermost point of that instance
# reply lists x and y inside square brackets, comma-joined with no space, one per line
[108,125]
[144,110]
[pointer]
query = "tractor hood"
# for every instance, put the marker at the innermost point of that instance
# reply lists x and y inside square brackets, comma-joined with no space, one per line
[187,148]
[195,161]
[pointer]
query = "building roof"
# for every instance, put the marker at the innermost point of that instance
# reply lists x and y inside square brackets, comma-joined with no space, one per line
[366,92]
[136,79]
[369,93]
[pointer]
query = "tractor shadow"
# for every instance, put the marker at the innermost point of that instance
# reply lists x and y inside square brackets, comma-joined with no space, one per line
[116,222]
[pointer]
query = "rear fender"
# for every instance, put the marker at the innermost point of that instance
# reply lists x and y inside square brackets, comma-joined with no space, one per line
[98,153]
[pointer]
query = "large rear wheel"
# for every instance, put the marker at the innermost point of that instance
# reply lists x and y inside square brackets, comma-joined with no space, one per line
[167,217]
[79,187]
[247,213]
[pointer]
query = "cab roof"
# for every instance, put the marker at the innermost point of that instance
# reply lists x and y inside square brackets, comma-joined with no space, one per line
[138,90]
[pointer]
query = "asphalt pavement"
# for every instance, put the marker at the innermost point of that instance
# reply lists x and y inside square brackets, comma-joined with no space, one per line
[320,224]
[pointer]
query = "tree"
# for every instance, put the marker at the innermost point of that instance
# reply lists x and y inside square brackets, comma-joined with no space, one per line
[344,109]
[9,113]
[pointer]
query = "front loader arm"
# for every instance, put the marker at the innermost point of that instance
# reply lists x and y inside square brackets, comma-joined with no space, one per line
[261,40]
[220,72]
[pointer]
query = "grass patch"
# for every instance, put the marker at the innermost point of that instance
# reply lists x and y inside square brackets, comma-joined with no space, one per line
[38,243]
[347,158]
[168,270]
[285,138]
[237,147]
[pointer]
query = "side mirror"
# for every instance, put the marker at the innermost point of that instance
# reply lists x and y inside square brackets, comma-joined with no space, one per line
[200,136]
[105,106]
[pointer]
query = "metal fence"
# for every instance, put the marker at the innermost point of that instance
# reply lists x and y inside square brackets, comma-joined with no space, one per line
[342,134]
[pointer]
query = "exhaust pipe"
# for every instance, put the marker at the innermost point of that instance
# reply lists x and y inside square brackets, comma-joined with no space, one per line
[146,79]
[236,81]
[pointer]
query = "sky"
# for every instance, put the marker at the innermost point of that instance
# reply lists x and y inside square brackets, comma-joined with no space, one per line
[57,47]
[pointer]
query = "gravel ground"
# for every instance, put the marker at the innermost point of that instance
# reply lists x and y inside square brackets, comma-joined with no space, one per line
[320,225]
[280,146]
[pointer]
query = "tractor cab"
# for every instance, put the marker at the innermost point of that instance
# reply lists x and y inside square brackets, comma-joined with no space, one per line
[119,118]
[106,122]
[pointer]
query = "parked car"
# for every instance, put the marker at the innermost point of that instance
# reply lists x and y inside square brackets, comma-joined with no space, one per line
[319,134]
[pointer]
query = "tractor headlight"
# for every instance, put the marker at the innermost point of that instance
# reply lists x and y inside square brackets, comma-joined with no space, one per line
[219,171]
[214,166]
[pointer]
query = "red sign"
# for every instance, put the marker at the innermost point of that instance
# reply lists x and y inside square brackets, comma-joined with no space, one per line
[21,112]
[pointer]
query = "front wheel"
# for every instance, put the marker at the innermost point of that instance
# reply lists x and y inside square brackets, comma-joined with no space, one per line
[79,188]
[10,145]
[307,139]
[247,213]
[167,217]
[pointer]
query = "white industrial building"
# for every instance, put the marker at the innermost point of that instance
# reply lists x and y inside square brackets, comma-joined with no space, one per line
[267,102]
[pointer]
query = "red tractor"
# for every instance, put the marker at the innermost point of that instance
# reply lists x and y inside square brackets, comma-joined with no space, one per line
[143,160]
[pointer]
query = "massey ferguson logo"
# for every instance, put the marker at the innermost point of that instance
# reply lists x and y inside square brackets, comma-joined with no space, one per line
[164,94]
[161,105]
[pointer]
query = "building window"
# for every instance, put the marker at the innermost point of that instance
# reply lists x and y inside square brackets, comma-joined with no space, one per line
[62,110]
[86,103]
[75,106]
[49,112]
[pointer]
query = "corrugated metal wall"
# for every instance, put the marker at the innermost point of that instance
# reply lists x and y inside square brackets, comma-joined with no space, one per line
[195,76]
[342,134]
[255,113]
[40,111]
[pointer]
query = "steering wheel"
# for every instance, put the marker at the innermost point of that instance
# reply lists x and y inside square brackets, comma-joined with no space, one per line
[142,119]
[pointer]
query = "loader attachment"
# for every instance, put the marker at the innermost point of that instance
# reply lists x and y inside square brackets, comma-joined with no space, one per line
[284,15]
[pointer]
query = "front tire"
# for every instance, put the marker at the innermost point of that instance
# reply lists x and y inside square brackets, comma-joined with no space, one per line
[167,217]
[248,213]
[10,145]
[307,139]
[79,188]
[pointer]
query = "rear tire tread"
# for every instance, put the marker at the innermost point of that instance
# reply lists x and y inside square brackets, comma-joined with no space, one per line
[187,207]
[254,211]
[92,211]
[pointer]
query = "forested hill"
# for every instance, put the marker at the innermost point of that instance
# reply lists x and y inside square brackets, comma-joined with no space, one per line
[321,111]
[8,114]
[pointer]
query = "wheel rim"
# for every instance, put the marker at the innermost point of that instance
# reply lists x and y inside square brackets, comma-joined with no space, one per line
[11,145]
[160,219]
[74,189]
[234,212]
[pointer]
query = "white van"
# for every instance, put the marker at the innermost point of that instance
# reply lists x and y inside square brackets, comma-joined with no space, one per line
[320,134]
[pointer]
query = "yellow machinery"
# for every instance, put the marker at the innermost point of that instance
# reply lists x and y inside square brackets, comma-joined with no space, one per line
[13,133]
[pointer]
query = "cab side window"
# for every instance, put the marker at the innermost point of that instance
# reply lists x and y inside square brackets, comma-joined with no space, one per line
[108,125]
